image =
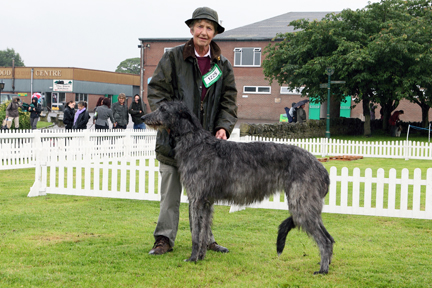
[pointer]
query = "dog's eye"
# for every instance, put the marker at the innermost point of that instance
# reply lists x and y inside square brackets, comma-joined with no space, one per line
[162,109]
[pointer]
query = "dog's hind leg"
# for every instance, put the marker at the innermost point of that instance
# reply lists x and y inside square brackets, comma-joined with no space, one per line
[324,240]
[284,229]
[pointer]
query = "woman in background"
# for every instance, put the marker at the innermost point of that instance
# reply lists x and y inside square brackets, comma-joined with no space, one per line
[81,116]
[102,114]
[68,115]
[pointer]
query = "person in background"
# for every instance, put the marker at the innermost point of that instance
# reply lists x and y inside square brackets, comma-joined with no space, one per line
[293,113]
[301,114]
[137,110]
[120,112]
[99,103]
[199,75]
[81,116]
[393,121]
[68,115]
[35,110]
[102,114]
[12,113]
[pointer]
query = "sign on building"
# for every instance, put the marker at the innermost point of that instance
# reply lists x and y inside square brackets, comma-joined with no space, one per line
[63,85]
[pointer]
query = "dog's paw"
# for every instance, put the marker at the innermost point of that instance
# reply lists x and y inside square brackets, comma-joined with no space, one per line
[320,272]
[190,260]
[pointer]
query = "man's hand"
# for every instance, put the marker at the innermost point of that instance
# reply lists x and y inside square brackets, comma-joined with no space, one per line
[221,134]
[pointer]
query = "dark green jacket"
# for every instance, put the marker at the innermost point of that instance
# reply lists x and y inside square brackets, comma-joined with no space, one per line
[178,77]
[120,113]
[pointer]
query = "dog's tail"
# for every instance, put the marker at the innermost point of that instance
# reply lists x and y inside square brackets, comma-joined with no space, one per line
[284,228]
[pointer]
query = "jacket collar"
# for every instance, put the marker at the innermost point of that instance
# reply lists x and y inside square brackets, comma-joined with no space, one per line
[189,50]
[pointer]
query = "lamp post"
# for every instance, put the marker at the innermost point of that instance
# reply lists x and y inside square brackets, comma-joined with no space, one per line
[329,72]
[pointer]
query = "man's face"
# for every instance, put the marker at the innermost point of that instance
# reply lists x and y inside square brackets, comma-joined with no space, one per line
[121,100]
[203,32]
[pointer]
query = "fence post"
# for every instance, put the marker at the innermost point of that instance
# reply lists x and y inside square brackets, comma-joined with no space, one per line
[38,188]
[406,150]
[428,204]
[323,147]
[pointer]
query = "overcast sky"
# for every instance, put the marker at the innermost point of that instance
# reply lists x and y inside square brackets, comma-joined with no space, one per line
[99,34]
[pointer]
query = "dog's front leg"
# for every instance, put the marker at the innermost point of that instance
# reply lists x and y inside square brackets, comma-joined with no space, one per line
[195,228]
[205,222]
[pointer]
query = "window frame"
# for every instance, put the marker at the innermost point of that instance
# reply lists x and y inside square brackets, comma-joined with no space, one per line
[256,52]
[291,92]
[257,90]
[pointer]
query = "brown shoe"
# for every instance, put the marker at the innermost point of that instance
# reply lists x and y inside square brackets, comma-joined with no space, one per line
[161,246]
[217,248]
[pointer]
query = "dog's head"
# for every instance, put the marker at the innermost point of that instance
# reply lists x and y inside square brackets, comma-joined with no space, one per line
[173,116]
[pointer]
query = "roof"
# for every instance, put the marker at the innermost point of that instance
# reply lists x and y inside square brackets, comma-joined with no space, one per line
[264,30]
[268,28]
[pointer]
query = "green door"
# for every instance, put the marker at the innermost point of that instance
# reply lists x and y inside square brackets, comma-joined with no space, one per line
[114,99]
[314,110]
[345,107]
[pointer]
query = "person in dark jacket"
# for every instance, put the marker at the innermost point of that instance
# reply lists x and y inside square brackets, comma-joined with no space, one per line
[68,114]
[137,110]
[301,114]
[102,114]
[35,110]
[198,75]
[120,112]
[81,116]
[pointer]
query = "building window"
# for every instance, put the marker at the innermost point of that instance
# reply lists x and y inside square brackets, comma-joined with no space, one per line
[286,90]
[80,97]
[257,89]
[247,57]
[62,97]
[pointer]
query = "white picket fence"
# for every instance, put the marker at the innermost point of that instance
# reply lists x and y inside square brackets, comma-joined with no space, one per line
[19,149]
[137,178]
[22,149]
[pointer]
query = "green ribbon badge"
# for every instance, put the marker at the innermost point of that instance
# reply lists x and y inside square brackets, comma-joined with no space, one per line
[211,77]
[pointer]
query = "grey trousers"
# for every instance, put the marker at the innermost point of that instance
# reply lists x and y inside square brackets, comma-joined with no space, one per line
[169,214]
[33,123]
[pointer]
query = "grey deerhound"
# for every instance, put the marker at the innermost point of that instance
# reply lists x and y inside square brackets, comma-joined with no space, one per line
[242,173]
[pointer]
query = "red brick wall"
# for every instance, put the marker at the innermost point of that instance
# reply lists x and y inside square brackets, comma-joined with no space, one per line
[258,106]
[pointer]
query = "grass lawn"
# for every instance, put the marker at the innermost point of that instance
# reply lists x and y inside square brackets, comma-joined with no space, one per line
[69,241]
[379,135]
[43,124]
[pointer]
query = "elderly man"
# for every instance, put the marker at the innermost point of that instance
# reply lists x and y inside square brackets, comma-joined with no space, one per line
[120,112]
[197,74]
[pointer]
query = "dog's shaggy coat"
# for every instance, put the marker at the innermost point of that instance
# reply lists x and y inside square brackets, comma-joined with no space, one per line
[242,173]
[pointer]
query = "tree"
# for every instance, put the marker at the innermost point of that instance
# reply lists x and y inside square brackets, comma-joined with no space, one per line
[372,49]
[131,66]
[6,57]
[418,83]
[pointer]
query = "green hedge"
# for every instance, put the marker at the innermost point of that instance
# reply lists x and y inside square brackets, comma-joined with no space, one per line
[310,129]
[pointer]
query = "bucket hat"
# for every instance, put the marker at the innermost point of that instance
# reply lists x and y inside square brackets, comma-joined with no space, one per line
[208,14]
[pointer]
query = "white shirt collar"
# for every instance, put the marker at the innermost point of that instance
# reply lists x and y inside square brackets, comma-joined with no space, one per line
[206,55]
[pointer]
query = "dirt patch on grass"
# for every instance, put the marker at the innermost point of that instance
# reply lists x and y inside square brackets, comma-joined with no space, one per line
[49,238]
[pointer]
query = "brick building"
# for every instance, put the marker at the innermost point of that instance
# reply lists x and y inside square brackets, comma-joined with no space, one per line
[244,47]
[59,85]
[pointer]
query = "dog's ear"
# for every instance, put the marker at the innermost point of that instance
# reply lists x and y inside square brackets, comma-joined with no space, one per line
[185,115]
